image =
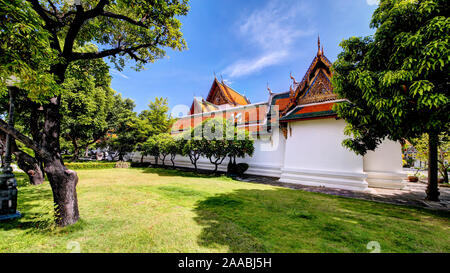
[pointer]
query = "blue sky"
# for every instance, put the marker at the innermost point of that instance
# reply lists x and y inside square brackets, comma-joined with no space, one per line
[249,43]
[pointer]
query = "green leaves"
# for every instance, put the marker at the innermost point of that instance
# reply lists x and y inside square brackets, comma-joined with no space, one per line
[397,80]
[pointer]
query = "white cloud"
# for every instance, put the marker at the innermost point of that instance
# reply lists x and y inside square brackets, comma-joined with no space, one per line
[118,73]
[272,31]
[246,67]
[372,2]
[228,82]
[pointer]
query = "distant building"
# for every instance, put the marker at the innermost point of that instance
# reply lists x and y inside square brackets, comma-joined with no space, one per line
[298,137]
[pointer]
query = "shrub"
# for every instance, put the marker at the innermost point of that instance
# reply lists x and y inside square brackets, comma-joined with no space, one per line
[90,165]
[122,164]
[241,168]
[140,164]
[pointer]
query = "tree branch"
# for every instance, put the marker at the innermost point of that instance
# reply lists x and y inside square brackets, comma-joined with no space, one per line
[124,18]
[50,24]
[42,12]
[80,17]
[24,139]
[113,51]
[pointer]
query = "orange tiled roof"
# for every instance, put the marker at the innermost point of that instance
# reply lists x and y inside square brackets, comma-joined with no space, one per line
[233,95]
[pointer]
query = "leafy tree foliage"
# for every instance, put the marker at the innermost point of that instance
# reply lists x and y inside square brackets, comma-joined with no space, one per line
[216,146]
[158,116]
[216,139]
[397,80]
[41,39]
[86,104]
[165,143]
[421,145]
[151,148]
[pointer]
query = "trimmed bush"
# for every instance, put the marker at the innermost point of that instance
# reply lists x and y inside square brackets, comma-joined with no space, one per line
[122,164]
[90,165]
[140,164]
[241,168]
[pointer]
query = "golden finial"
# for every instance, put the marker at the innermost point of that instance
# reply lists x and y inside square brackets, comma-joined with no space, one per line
[318,42]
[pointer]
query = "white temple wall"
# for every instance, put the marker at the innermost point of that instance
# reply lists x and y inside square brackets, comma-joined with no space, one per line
[315,156]
[267,159]
[384,166]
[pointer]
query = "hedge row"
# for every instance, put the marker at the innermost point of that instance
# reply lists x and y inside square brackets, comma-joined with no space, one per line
[90,165]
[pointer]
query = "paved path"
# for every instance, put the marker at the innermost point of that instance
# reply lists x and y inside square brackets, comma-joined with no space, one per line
[413,196]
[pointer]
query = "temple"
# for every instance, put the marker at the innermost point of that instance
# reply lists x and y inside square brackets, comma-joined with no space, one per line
[298,136]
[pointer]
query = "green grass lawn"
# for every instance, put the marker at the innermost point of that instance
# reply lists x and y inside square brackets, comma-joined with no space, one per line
[154,210]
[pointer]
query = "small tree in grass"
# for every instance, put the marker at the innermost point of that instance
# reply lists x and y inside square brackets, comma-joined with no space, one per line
[165,143]
[174,148]
[240,146]
[150,148]
[193,148]
[215,143]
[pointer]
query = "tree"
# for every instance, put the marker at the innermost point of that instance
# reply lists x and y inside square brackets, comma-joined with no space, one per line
[124,137]
[174,148]
[150,147]
[241,145]
[397,80]
[86,104]
[153,122]
[40,39]
[215,144]
[193,148]
[165,144]
[27,160]
[421,145]
[158,116]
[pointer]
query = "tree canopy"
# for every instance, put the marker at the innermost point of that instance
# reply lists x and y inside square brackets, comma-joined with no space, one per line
[39,40]
[396,81]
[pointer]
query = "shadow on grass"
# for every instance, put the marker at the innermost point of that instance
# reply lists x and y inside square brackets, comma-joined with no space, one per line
[184,172]
[282,220]
[37,215]
[35,203]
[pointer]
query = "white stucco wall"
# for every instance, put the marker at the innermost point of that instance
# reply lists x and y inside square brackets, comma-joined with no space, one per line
[267,158]
[315,156]
[384,166]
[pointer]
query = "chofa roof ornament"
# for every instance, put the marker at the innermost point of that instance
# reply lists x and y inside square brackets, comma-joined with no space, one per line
[293,79]
[268,88]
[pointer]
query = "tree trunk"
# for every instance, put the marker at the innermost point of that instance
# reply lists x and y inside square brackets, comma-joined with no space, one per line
[172,157]
[163,159]
[432,188]
[443,169]
[86,151]
[142,158]
[30,165]
[76,150]
[62,180]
